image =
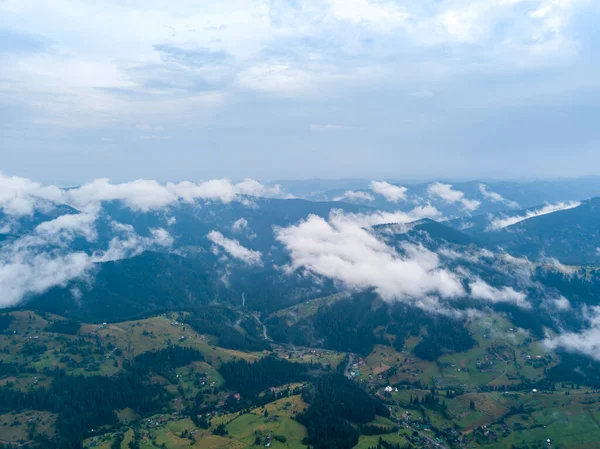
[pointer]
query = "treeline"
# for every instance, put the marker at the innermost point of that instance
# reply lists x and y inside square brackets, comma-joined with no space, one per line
[165,361]
[576,369]
[250,379]
[359,323]
[5,321]
[69,327]
[443,335]
[336,403]
[84,403]
[431,401]
[370,429]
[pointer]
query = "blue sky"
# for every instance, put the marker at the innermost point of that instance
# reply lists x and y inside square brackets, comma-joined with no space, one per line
[299,89]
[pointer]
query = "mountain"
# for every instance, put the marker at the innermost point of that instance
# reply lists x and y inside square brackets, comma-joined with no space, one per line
[572,236]
[132,287]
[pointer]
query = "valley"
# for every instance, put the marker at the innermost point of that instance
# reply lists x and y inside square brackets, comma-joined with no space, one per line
[493,395]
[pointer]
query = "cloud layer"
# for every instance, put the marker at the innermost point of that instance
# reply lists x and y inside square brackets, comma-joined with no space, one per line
[503,222]
[21,196]
[434,84]
[344,249]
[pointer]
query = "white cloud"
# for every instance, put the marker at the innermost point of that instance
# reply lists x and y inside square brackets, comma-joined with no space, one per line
[355,195]
[239,225]
[451,196]
[562,303]
[482,290]
[69,226]
[553,263]
[235,249]
[391,192]
[341,249]
[26,272]
[382,217]
[379,16]
[129,244]
[496,197]
[20,196]
[503,222]
[33,264]
[586,342]
[82,72]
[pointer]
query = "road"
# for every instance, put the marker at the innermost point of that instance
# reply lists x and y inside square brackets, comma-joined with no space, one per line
[348,365]
[264,328]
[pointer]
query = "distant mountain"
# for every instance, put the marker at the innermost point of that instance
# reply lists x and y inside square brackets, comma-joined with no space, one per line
[424,231]
[131,287]
[572,236]
[493,196]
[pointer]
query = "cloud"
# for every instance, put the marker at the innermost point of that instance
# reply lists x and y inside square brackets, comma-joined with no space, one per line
[66,64]
[482,290]
[21,196]
[342,250]
[69,226]
[129,244]
[35,263]
[586,342]
[235,249]
[451,196]
[355,195]
[27,272]
[383,217]
[391,192]
[239,225]
[496,197]
[562,303]
[503,222]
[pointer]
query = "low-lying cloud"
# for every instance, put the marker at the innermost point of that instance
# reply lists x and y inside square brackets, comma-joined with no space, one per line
[389,191]
[21,196]
[35,263]
[495,197]
[586,342]
[69,226]
[446,193]
[383,217]
[357,195]
[340,249]
[235,249]
[343,249]
[503,222]
[482,290]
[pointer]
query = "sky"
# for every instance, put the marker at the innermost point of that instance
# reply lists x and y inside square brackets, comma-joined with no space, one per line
[298,89]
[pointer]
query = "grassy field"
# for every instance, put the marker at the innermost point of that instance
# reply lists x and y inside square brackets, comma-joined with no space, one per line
[503,356]
[16,426]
